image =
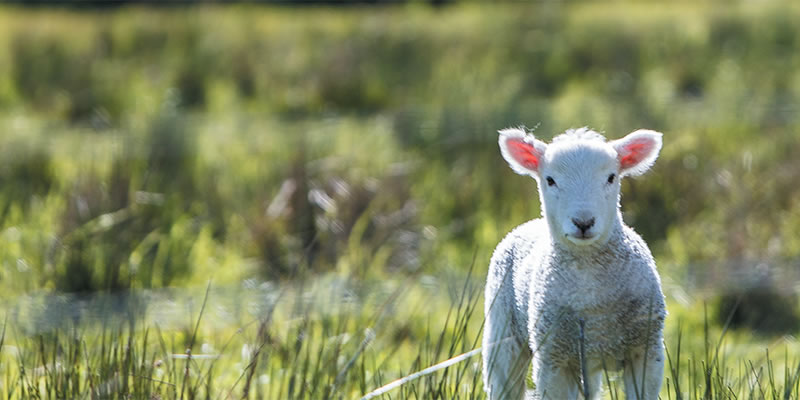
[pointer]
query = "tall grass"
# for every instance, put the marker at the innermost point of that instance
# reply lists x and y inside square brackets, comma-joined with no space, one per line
[292,350]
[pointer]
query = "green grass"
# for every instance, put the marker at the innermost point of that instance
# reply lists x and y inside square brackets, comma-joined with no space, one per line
[288,345]
[334,174]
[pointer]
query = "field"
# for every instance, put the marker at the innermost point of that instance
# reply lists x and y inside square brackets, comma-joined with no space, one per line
[300,203]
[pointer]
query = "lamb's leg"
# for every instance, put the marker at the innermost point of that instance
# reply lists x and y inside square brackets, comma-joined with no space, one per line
[555,383]
[595,385]
[505,360]
[644,373]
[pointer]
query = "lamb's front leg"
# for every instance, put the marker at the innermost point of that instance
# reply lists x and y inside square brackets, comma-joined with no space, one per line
[644,373]
[554,383]
[505,359]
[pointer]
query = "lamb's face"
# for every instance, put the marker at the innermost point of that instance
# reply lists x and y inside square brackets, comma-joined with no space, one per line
[578,176]
[579,190]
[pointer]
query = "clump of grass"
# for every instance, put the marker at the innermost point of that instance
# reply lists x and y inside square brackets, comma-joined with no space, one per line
[761,307]
[714,374]
[296,352]
[29,171]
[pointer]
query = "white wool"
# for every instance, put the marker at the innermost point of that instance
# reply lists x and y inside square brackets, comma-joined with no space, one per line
[578,262]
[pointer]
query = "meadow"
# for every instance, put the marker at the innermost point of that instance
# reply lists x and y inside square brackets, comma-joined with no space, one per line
[300,203]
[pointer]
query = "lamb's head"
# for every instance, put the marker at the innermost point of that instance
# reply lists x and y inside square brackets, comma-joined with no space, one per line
[578,176]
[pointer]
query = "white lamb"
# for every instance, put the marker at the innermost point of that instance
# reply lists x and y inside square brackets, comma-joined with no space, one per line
[578,264]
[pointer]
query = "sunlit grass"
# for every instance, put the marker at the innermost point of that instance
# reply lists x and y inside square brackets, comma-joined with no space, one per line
[334,338]
[334,173]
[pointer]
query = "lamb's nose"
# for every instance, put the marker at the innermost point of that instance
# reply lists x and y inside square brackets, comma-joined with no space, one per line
[583,224]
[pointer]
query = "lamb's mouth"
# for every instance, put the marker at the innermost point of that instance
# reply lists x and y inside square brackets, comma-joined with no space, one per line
[581,238]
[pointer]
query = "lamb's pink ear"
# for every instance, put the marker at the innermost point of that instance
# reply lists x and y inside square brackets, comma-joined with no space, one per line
[523,152]
[637,151]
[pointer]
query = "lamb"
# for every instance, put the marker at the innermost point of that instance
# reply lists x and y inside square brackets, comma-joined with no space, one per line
[577,281]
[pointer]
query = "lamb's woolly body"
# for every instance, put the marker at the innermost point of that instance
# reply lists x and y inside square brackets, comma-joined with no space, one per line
[539,288]
[614,291]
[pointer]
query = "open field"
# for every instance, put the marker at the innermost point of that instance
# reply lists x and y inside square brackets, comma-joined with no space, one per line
[333,174]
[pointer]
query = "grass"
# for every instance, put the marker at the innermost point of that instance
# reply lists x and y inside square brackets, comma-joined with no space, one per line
[334,174]
[294,349]
[337,353]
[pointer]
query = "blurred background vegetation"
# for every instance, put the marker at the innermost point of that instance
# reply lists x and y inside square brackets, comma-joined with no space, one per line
[143,148]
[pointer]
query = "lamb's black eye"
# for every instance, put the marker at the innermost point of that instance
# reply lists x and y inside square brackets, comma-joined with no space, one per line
[551,181]
[611,178]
